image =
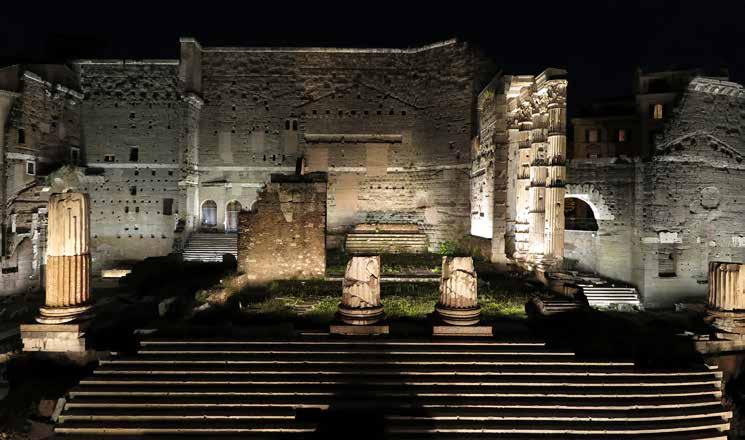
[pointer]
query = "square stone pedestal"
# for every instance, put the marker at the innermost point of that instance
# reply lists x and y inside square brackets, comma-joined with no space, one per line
[54,337]
[358,330]
[462,330]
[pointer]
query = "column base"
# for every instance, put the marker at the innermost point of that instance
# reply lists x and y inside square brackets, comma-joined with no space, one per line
[453,316]
[61,315]
[365,316]
[54,337]
[729,322]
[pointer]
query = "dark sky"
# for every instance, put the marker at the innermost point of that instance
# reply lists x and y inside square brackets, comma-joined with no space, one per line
[599,42]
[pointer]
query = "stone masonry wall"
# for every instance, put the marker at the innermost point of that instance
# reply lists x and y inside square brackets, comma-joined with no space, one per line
[391,127]
[42,127]
[694,210]
[132,105]
[283,236]
[608,186]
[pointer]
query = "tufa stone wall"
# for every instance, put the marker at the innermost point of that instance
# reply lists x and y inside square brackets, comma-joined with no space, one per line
[133,123]
[40,125]
[392,129]
[694,205]
[283,236]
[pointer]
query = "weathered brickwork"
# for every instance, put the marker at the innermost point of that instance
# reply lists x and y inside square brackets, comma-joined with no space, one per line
[40,122]
[128,106]
[608,186]
[263,109]
[694,193]
[283,236]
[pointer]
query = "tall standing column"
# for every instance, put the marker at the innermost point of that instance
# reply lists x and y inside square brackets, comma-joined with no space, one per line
[555,90]
[538,173]
[189,183]
[67,295]
[522,192]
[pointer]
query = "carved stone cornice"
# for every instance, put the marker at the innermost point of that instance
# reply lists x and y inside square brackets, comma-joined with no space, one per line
[556,91]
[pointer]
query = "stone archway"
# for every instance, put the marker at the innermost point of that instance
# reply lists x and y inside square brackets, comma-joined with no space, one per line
[579,215]
[231,216]
[209,214]
[590,195]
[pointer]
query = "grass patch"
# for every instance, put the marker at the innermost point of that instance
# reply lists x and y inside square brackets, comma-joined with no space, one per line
[317,301]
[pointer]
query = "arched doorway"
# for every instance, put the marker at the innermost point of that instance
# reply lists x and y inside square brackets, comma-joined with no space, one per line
[231,216]
[209,214]
[578,215]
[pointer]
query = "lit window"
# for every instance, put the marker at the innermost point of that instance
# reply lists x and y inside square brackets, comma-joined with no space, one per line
[109,158]
[657,114]
[593,135]
[30,167]
[621,135]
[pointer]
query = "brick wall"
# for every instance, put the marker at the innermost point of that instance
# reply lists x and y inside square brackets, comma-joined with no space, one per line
[132,105]
[283,236]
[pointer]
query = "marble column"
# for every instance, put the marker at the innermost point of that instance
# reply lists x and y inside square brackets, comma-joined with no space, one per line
[538,173]
[523,117]
[458,303]
[553,241]
[726,303]
[189,160]
[67,294]
[361,291]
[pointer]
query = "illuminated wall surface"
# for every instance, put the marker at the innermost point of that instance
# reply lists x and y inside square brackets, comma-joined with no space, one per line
[426,136]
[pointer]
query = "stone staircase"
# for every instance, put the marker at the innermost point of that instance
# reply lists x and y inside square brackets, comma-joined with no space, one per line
[605,296]
[210,247]
[386,239]
[320,387]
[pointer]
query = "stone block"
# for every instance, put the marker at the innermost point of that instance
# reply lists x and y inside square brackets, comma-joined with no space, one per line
[54,337]
[462,330]
[358,330]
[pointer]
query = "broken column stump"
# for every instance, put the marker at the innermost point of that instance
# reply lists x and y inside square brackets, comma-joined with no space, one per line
[62,319]
[726,303]
[458,306]
[361,308]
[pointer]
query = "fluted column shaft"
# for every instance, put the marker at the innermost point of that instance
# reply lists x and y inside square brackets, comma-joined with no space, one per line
[727,286]
[67,292]
[553,243]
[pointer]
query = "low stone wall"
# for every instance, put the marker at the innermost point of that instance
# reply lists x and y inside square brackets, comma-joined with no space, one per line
[283,237]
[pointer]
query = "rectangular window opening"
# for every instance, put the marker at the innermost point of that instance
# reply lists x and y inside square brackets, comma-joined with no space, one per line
[134,154]
[30,167]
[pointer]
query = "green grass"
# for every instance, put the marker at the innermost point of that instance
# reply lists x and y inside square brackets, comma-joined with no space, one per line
[499,299]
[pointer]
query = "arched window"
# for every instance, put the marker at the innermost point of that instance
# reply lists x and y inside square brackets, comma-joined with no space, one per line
[231,216]
[578,215]
[209,213]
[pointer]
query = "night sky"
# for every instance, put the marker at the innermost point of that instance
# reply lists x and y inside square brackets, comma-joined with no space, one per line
[599,42]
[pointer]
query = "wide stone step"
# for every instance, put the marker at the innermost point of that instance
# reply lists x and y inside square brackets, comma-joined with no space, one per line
[481,379]
[571,367]
[444,370]
[159,400]
[444,414]
[398,426]
[133,387]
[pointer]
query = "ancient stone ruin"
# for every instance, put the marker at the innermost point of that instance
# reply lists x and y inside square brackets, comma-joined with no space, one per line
[67,298]
[458,303]
[360,303]
[726,302]
[284,235]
